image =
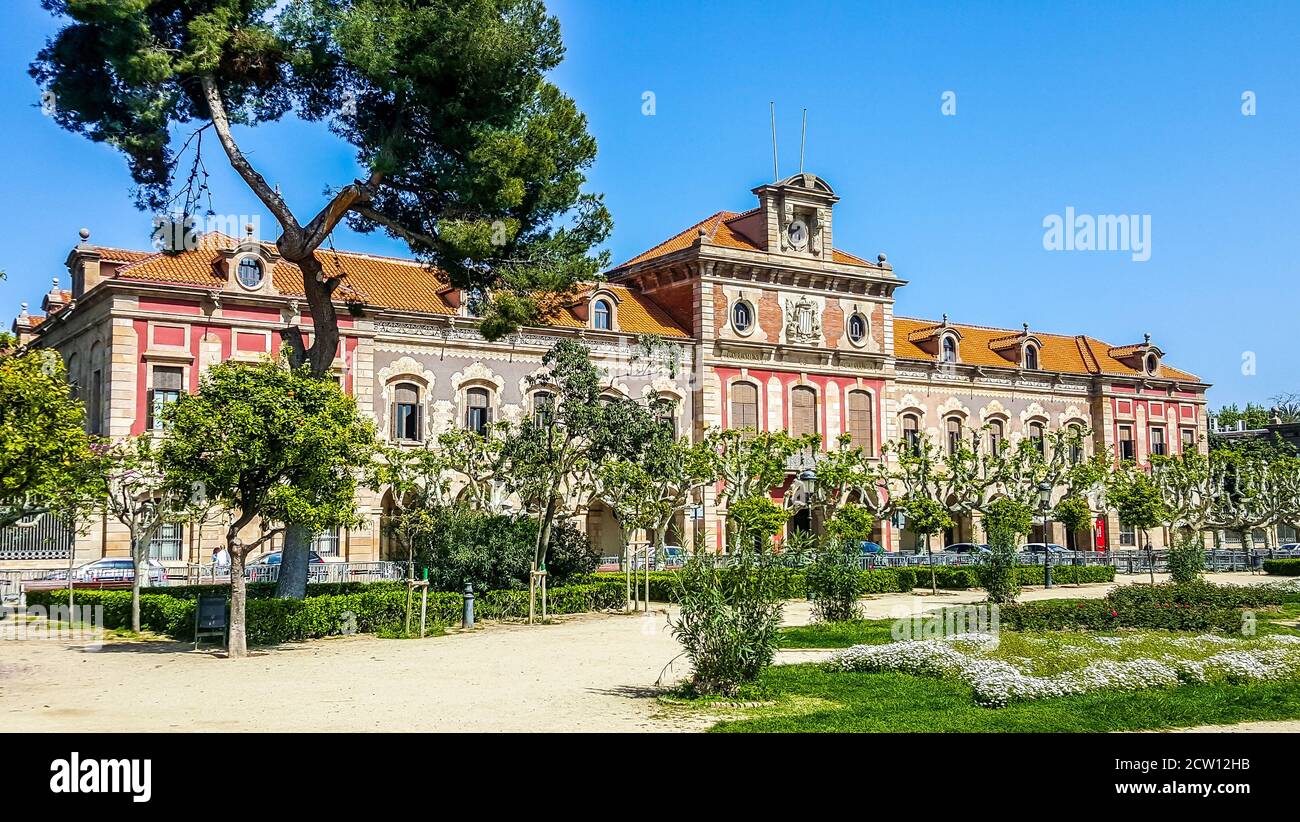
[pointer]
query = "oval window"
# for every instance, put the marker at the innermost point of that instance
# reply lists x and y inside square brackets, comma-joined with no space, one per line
[250,272]
[742,317]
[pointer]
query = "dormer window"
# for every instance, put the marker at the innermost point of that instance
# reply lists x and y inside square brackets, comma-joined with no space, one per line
[602,315]
[1031,357]
[250,273]
[948,350]
[1152,364]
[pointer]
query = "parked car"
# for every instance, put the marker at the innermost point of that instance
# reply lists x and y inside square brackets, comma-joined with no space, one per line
[967,548]
[110,572]
[260,569]
[871,548]
[1039,547]
[672,557]
[275,557]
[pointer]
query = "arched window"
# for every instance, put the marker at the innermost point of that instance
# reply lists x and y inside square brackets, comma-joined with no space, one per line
[478,410]
[1036,436]
[406,412]
[954,434]
[1153,363]
[997,436]
[742,317]
[1031,357]
[912,432]
[857,329]
[601,315]
[803,411]
[861,422]
[1076,443]
[949,350]
[249,272]
[744,406]
[543,407]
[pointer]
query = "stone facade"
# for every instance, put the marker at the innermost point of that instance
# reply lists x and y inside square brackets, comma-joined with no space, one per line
[772,322]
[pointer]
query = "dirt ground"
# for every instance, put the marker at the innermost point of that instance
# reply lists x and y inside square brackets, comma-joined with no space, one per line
[584,673]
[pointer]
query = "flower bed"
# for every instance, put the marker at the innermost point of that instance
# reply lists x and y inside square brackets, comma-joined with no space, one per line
[997,680]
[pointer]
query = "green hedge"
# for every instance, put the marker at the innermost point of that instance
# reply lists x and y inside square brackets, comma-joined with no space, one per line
[1198,593]
[1187,606]
[790,581]
[379,607]
[1282,567]
[1101,615]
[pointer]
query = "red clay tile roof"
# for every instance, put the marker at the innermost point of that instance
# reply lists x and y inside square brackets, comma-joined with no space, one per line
[979,345]
[718,228]
[388,282]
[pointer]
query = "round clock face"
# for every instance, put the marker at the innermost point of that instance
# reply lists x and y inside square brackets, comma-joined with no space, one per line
[798,233]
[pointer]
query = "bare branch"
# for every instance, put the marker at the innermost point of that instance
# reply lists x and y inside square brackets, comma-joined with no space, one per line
[255,181]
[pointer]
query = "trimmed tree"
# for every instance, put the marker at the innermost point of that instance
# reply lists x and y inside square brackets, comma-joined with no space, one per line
[1005,522]
[926,517]
[139,496]
[48,463]
[1137,499]
[274,446]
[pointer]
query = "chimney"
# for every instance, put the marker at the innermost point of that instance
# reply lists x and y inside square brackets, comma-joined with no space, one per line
[83,265]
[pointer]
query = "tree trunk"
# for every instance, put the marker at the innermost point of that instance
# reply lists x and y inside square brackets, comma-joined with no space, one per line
[294,559]
[139,547]
[544,532]
[319,358]
[238,646]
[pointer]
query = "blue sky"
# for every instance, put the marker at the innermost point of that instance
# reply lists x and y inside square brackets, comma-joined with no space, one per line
[1108,108]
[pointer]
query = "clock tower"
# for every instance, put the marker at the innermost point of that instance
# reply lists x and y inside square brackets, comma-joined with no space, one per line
[796,215]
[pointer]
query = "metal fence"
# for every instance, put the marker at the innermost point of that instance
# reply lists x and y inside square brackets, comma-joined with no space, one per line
[12,579]
[42,537]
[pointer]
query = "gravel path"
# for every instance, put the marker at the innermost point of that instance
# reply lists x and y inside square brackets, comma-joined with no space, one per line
[583,673]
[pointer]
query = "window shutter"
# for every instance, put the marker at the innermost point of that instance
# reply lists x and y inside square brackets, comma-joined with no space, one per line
[803,411]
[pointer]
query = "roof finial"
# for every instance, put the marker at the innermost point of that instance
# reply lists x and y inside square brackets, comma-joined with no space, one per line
[945,318]
[1147,338]
[84,234]
[248,230]
[22,311]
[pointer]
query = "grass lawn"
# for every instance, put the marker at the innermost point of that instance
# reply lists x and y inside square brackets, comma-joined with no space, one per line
[811,699]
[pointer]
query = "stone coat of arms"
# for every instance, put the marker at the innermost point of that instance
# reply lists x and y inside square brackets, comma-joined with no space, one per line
[802,324]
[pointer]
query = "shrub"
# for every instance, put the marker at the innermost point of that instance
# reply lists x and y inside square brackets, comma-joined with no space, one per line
[1103,615]
[1198,592]
[997,572]
[495,551]
[835,583]
[1186,559]
[1282,567]
[727,623]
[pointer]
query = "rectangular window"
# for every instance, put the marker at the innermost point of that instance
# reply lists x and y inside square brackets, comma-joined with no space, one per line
[803,411]
[327,543]
[861,422]
[744,406]
[166,542]
[167,383]
[478,412]
[1158,442]
[406,413]
[1126,451]
[1189,439]
[1127,534]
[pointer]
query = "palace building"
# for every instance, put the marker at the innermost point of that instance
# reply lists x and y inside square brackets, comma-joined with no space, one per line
[776,327]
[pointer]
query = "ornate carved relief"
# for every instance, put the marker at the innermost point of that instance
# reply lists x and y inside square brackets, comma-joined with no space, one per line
[802,325]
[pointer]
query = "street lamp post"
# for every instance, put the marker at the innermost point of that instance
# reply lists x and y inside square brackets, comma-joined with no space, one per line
[1044,504]
[808,483]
